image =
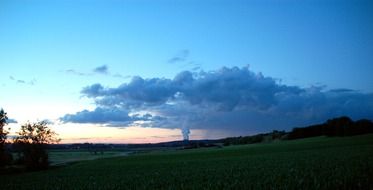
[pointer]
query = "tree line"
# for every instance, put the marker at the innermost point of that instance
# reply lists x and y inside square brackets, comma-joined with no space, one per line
[30,145]
[341,126]
[259,138]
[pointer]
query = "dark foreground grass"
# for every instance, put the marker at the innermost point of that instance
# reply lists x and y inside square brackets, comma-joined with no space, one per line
[315,163]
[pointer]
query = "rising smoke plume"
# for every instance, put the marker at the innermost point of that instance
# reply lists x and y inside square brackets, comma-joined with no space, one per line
[185,130]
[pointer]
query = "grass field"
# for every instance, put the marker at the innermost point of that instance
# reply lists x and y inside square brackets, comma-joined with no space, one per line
[314,163]
[65,157]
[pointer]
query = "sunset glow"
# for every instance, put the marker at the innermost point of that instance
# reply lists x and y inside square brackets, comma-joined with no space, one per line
[134,72]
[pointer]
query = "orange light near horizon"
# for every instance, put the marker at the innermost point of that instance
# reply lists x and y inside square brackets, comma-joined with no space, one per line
[80,133]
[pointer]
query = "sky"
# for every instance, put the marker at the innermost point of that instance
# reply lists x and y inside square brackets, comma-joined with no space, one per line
[126,71]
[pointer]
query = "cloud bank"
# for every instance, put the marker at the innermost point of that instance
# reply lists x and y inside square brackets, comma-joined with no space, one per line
[233,99]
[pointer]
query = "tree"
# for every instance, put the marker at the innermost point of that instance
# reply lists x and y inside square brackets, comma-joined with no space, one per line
[31,142]
[5,158]
[3,132]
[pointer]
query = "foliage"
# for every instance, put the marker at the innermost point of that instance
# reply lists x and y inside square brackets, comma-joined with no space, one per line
[5,157]
[266,137]
[3,122]
[313,163]
[31,143]
[342,126]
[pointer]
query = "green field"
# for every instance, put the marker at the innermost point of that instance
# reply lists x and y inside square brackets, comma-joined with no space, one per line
[314,163]
[66,157]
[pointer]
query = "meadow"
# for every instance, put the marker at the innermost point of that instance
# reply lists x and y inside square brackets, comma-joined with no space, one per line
[65,157]
[311,163]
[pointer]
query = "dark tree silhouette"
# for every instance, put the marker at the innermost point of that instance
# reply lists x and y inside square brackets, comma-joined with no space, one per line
[31,142]
[341,126]
[5,158]
[3,132]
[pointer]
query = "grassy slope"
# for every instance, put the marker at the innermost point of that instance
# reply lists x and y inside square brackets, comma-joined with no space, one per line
[314,163]
[63,157]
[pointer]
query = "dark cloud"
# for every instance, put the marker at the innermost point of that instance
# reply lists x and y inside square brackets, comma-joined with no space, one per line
[225,90]
[136,93]
[94,90]
[101,69]
[232,99]
[342,90]
[109,116]
[99,115]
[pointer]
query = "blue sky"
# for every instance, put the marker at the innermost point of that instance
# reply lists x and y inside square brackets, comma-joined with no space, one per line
[53,52]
